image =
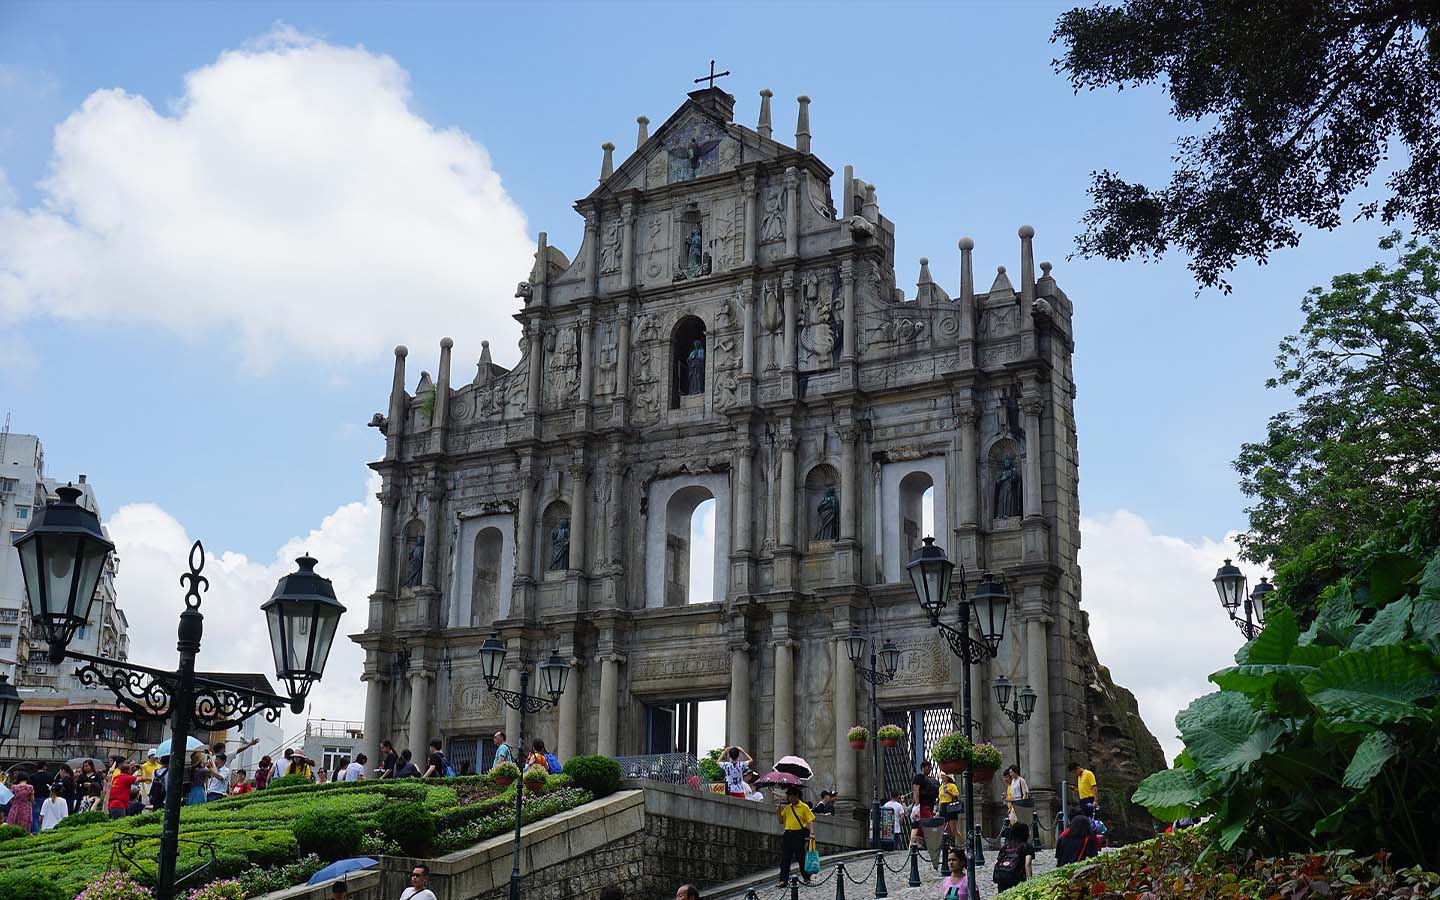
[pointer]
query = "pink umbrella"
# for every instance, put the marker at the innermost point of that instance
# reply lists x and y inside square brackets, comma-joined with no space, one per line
[781,778]
[795,766]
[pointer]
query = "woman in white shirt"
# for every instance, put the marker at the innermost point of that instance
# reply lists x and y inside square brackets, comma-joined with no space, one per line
[54,810]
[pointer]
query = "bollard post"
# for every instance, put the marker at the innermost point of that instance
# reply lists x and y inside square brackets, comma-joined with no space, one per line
[880,890]
[751,895]
[914,865]
[794,887]
[840,881]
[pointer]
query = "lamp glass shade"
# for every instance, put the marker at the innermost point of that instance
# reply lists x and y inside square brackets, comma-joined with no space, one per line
[1230,585]
[930,571]
[553,673]
[991,602]
[62,556]
[889,659]
[1003,689]
[303,616]
[1028,697]
[492,659]
[855,644]
[1260,599]
[9,707]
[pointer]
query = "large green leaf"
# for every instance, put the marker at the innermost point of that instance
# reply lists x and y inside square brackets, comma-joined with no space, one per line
[1234,815]
[1313,654]
[1377,685]
[1425,623]
[1389,574]
[1171,794]
[1430,580]
[1273,644]
[1369,759]
[1258,682]
[1224,734]
[1388,627]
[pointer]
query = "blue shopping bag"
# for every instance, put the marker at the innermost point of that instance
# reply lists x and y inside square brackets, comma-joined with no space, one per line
[812,860]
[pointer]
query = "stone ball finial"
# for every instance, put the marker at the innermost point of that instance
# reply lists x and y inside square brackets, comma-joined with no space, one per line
[484,345]
[643,120]
[402,351]
[607,146]
[446,343]
[967,243]
[999,270]
[1046,267]
[803,98]
[766,92]
[924,260]
[1027,232]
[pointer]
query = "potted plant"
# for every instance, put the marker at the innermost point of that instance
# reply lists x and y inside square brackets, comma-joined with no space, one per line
[858,736]
[890,735]
[535,779]
[504,774]
[984,760]
[952,753]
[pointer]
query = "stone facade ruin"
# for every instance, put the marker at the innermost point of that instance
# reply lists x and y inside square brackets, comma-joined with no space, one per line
[729,330]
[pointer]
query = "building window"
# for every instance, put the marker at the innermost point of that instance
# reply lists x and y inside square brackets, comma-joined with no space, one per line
[52,728]
[5,641]
[9,616]
[22,512]
[82,633]
[7,485]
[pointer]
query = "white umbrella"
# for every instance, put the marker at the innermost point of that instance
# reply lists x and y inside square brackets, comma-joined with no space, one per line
[794,765]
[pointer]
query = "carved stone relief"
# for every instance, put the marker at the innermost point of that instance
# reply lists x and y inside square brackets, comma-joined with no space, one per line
[772,318]
[656,243]
[606,360]
[693,150]
[562,381]
[772,222]
[610,247]
[820,322]
[729,237]
[651,667]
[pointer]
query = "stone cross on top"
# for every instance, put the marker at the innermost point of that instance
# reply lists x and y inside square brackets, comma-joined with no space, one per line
[712,76]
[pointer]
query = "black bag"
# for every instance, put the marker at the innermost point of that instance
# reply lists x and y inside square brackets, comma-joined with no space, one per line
[1009,865]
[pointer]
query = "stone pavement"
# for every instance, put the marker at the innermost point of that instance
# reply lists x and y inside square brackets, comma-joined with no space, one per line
[897,879]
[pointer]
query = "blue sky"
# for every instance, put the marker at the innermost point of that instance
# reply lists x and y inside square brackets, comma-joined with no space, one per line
[233,397]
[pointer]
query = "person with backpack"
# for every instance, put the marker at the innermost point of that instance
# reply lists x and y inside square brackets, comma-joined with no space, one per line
[1076,842]
[1016,860]
[539,756]
[437,765]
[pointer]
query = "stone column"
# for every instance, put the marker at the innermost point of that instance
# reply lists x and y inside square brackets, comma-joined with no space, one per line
[750,237]
[566,739]
[792,212]
[587,363]
[1032,407]
[627,246]
[385,568]
[746,298]
[537,368]
[622,354]
[849,481]
[1037,643]
[525,528]
[845,782]
[968,475]
[614,526]
[784,698]
[578,523]
[435,492]
[788,357]
[847,319]
[374,706]
[609,703]
[787,491]
[420,714]
[512,717]
[592,251]
[738,730]
[743,514]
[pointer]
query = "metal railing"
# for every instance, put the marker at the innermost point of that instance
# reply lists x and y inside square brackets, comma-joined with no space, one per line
[671,768]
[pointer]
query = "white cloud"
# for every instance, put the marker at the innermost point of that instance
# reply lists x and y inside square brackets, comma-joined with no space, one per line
[154,547]
[1154,616]
[290,198]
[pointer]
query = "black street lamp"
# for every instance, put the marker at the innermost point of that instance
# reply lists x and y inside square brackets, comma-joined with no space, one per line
[1021,711]
[62,556]
[9,707]
[1230,585]
[855,645]
[553,674]
[930,574]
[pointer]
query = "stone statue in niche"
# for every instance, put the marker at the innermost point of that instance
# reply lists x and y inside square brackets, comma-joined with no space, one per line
[724,316]
[1010,404]
[771,318]
[694,380]
[415,561]
[1008,497]
[560,546]
[772,222]
[829,517]
[694,250]
[610,248]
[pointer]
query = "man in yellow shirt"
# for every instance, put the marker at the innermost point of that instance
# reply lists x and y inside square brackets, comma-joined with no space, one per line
[147,771]
[797,819]
[1084,786]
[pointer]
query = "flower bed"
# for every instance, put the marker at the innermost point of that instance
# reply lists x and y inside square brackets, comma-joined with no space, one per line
[255,843]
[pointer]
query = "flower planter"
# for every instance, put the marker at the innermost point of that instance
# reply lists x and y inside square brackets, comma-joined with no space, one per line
[980,776]
[890,742]
[535,787]
[503,781]
[952,766]
[859,745]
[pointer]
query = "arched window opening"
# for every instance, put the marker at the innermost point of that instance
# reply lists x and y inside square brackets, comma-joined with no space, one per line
[555,536]
[917,499]
[822,504]
[690,546]
[485,588]
[687,363]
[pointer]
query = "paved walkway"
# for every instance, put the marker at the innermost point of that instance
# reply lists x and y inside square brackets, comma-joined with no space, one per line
[897,879]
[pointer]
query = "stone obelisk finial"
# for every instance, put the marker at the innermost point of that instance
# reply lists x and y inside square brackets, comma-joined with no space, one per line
[764,126]
[442,391]
[802,125]
[398,402]
[967,272]
[1027,265]
[643,133]
[924,272]
[607,163]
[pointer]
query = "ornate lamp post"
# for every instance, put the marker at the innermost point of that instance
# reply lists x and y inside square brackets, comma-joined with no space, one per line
[855,645]
[553,674]
[1023,709]
[930,574]
[9,707]
[62,556]
[1230,585]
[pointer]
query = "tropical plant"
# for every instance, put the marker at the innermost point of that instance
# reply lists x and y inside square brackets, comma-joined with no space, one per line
[890,733]
[858,733]
[953,747]
[985,756]
[600,775]
[329,834]
[1327,738]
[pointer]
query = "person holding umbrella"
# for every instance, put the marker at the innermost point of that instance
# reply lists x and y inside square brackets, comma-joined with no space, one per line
[799,828]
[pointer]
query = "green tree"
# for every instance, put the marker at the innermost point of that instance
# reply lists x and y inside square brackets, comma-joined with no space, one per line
[1349,480]
[1302,102]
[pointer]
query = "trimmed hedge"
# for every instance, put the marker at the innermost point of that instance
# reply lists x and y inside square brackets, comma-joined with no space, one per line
[408,824]
[26,886]
[12,831]
[600,775]
[329,834]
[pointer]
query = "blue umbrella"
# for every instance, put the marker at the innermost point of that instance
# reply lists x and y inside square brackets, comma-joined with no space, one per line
[190,744]
[336,869]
